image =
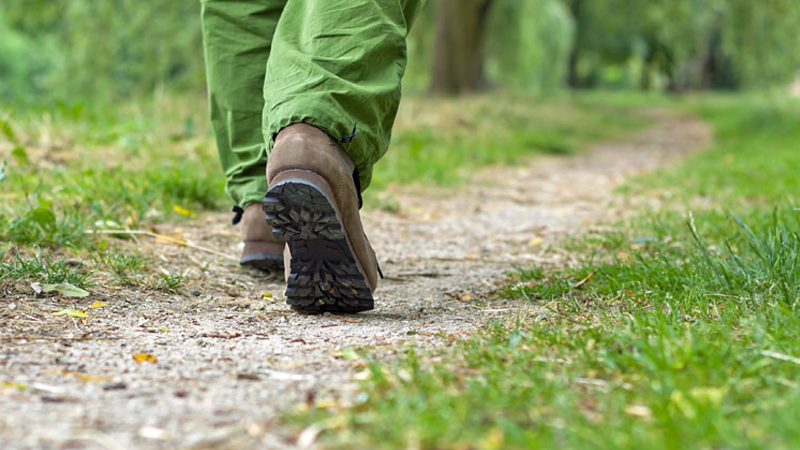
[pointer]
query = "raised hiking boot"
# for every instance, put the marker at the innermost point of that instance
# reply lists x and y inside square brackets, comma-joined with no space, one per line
[312,204]
[261,249]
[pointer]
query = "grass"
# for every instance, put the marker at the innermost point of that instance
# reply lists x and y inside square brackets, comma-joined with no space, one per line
[44,269]
[75,167]
[686,334]
[444,141]
[125,268]
[68,170]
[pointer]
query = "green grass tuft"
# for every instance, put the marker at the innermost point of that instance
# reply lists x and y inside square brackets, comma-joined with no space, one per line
[42,268]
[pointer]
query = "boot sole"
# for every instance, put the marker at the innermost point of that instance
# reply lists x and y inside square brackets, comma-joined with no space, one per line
[324,273]
[268,262]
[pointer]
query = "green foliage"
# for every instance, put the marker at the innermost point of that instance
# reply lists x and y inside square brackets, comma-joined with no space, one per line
[169,282]
[682,269]
[100,50]
[41,224]
[129,169]
[528,45]
[24,63]
[104,51]
[41,268]
[92,197]
[127,269]
[685,44]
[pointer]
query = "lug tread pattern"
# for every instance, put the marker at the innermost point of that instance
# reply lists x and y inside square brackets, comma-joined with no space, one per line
[324,274]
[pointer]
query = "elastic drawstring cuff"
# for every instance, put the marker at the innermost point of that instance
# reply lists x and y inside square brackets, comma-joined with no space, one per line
[237,214]
[349,137]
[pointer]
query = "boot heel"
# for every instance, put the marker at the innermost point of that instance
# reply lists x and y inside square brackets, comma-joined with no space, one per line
[324,274]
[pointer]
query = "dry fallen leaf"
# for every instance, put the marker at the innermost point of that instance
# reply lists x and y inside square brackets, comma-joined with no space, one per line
[461,298]
[79,375]
[182,211]
[176,239]
[349,320]
[87,377]
[584,281]
[71,312]
[65,289]
[142,358]
[11,384]
[98,304]
[157,330]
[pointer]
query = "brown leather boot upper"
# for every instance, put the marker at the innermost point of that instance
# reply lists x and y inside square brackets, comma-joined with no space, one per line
[305,147]
[260,246]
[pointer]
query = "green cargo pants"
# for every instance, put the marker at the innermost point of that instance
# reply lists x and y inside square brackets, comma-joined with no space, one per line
[329,63]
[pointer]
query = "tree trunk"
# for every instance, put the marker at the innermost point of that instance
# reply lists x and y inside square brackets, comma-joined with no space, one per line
[573,79]
[459,46]
[576,11]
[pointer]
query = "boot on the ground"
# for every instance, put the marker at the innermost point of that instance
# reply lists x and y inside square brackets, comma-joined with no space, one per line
[312,204]
[261,249]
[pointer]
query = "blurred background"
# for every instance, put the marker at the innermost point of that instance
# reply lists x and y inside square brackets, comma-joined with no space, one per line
[103,114]
[73,52]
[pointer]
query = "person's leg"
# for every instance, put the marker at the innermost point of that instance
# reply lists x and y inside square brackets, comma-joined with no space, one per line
[335,63]
[237,37]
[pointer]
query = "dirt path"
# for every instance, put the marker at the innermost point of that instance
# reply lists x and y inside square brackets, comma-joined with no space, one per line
[231,358]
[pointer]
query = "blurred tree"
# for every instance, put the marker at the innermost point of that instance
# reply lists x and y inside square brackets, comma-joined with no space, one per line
[99,50]
[528,44]
[684,44]
[762,40]
[460,46]
[104,51]
[520,44]
[576,8]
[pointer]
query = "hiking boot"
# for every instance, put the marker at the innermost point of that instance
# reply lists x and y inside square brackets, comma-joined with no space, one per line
[312,204]
[261,249]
